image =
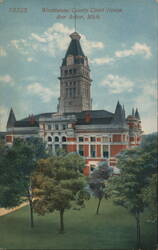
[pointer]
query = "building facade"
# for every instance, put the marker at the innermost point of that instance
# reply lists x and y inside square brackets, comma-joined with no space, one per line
[97,135]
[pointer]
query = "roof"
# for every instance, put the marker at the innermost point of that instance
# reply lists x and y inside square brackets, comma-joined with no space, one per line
[26,123]
[137,114]
[119,116]
[11,120]
[32,121]
[93,117]
[84,117]
[74,49]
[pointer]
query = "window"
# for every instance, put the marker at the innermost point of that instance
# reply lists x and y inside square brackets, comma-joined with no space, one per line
[80,139]
[67,92]
[74,92]
[105,151]
[63,139]
[65,72]
[70,71]
[93,139]
[70,60]
[70,92]
[81,150]
[93,153]
[56,139]
[56,126]
[64,126]
[49,127]
[105,139]
[116,138]
[74,71]
[49,138]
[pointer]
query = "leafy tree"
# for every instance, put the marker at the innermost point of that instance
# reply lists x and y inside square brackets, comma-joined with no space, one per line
[59,185]
[150,145]
[150,197]
[16,166]
[127,189]
[98,184]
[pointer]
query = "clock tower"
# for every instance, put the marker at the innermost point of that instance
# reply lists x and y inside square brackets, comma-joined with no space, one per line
[74,79]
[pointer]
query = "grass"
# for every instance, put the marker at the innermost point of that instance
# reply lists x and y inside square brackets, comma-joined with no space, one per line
[114,228]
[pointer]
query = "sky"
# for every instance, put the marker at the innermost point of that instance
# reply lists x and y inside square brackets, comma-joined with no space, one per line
[119,37]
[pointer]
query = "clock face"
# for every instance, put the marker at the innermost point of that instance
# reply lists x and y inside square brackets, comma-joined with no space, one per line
[70,60]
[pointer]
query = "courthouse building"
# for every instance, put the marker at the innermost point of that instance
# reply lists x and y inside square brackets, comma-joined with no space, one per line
[97,135]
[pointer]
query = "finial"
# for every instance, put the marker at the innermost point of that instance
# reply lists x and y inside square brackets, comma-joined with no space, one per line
[75,36]
[75,19]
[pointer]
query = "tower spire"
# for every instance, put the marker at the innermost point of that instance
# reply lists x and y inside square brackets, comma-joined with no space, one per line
[11,119]
[137,114]
[119,114]
[133,112]
[124,113]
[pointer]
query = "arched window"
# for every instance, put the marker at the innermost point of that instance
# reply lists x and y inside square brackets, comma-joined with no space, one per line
[49,138]
[56,139]
[63,139]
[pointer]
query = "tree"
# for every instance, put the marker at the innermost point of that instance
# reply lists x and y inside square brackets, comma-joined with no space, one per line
[39,151]
[59,185]
[17,165]
[127,189]
[150,197]
[150,144]
[97,182]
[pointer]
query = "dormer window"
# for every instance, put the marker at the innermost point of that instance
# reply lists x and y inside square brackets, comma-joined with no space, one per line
[70,60]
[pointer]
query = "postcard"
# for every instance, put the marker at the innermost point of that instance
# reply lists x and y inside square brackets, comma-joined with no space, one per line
[82,76]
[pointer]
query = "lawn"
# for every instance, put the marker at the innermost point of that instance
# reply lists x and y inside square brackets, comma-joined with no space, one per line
[114,228]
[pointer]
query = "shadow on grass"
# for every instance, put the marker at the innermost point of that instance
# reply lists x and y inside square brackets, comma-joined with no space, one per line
[113,228]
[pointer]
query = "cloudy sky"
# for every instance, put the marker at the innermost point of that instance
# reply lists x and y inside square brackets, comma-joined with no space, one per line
[118,36]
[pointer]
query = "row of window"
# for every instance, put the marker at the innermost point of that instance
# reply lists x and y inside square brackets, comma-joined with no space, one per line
[70,71]
[71,92]
[70,84]
[56,126]
[80,139]
[93,152]
[73,71]
[56,139]
[83,139]
[94,139]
